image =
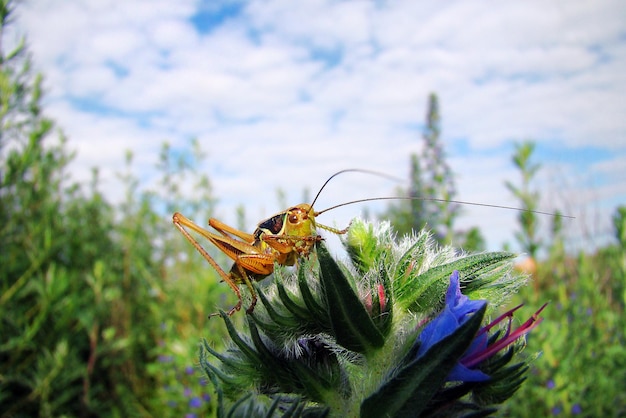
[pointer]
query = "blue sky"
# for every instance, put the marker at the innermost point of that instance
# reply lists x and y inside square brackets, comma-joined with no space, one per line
[281,94]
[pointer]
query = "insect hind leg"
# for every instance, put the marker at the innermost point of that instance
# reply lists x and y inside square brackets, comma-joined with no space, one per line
[181,222]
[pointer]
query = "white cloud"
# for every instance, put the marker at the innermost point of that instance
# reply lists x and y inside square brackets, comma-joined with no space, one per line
[283,95]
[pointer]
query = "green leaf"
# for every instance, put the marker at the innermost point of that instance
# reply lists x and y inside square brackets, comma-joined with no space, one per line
[290,304]
[279,321]
[351,324]
[413,257]
[363,247]
[408,392]
[418,290]
[310,301]
[211,373]
[248,351]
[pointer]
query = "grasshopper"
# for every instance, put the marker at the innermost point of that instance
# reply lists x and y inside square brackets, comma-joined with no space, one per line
[281,239]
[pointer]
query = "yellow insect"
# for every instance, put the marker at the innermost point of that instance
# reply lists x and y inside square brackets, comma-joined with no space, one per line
[282,239]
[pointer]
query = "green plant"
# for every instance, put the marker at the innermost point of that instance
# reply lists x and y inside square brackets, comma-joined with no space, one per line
[431,189]
[88,291]
[528,237]
[355,340]
[583,366]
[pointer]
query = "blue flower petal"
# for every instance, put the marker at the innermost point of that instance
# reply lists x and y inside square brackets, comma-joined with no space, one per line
[455,313]
[457,310]
[195,402]
[457,302]
[463,374]
[436,330]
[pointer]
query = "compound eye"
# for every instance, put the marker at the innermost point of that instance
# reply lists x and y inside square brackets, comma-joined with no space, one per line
[293,218]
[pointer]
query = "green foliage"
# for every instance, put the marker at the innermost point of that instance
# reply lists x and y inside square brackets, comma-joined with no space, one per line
[341,339]
[583,336]
[438,179]
[90,299]
[528,237]
[431,189]
[583,366]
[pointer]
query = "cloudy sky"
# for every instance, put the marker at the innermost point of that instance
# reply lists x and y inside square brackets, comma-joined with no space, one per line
[281,94]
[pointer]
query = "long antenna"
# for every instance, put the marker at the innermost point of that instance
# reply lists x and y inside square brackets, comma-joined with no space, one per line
[354,170]
[440,200]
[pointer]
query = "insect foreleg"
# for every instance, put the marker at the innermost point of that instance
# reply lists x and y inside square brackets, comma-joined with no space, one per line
[334,230]
[286,244]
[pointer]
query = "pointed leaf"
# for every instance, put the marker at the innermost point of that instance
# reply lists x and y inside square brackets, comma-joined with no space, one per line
[362,245]
[252,355]
[213,377]
[309,300]
[290,304]
[280,321]
[417,290]
[412,258]
[351,324]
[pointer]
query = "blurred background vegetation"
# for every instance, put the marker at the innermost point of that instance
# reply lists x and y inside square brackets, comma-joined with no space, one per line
[102,306]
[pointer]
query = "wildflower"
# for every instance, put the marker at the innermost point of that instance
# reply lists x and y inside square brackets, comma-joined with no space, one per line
[195,402]
[458,308]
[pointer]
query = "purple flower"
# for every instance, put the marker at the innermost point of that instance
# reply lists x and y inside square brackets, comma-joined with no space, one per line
[577,409]
[457,310]
[189,370]
[195,402]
